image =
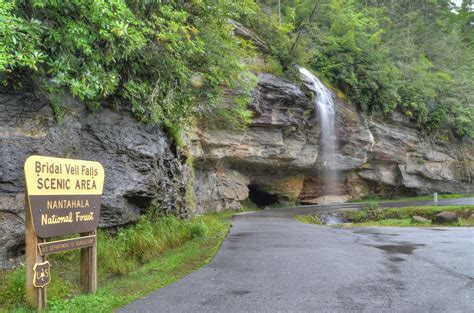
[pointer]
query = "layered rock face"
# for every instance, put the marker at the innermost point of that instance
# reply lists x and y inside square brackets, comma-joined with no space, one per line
[141,168]
[276,158]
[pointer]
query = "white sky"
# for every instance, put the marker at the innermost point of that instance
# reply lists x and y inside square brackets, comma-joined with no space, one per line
[458,3]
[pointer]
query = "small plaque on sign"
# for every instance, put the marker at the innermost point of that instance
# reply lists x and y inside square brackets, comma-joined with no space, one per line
[42,275]
[65,245]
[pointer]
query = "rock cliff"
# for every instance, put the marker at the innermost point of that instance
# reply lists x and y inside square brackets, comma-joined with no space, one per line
[140,164]
[276,157]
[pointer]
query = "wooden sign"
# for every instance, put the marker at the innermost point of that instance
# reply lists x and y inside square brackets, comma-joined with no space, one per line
[63,196]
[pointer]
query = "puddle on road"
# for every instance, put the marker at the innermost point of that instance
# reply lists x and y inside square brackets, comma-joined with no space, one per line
[396,259]
[239,292]
[239,236]
[398,249]
[242,234]
[373,232]
[395,248]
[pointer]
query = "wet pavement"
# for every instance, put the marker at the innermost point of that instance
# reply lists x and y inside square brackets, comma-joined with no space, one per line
[272,263]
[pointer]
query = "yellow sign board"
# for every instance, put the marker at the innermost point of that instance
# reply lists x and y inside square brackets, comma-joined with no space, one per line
[57,176]
[64,195]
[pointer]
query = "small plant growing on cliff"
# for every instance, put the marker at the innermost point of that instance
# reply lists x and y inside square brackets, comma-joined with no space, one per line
[57,109]
[190,200]
[175,133]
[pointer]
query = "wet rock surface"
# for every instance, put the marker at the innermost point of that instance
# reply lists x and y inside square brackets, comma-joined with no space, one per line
[446,217]
[419,219]
[384,155]
[242,31]
[141,167]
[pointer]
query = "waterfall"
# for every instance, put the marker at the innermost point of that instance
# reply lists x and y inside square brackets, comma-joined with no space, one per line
[324,106]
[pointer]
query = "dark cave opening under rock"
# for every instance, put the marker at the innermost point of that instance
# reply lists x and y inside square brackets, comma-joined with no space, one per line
[261,197]
[16,250]
[143,202]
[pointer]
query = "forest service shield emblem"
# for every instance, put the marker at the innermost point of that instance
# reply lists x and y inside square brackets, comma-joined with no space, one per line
[42,274]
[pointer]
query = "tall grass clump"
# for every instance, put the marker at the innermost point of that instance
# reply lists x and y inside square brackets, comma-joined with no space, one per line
[149,237]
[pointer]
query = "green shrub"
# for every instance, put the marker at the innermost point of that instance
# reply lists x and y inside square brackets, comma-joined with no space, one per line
[198,230]
[355,216]
[375,214]
[134,54]
[20,40]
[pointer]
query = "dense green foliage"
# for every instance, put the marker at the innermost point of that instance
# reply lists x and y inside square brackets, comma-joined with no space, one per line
[168,61]
[416,57]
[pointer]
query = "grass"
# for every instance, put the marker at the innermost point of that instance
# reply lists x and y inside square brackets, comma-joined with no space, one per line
[309,219]
[392,223]
[131,264]
[398,217]
[416,198]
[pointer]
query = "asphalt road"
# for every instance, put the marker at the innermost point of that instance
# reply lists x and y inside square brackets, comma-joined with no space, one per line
[272,263]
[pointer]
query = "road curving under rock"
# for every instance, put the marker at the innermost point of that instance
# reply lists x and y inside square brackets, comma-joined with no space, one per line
[272,263]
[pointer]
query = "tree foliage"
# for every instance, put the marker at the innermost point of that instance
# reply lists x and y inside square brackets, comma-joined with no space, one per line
[416,57]
[168,61]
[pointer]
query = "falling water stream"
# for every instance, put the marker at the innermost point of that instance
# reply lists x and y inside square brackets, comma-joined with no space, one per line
[325,108]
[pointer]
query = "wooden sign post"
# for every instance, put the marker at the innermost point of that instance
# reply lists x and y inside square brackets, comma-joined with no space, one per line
[63,196]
